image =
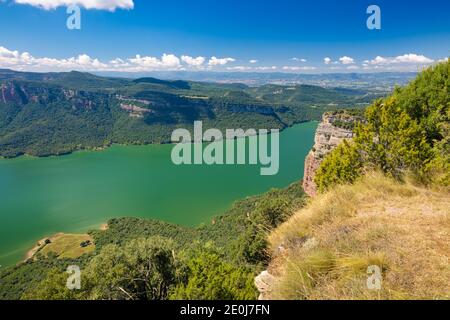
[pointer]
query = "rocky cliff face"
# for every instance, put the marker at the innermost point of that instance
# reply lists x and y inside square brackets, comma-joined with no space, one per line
[21,93]
[328,136]
[12,93]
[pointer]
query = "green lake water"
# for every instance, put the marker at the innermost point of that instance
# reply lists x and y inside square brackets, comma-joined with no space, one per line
[77,192]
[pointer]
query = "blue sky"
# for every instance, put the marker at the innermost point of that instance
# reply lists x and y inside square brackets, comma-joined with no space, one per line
[271,33]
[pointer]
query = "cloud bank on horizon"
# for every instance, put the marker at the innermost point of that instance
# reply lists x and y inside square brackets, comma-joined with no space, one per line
[167,62]
[110,5]
[25,61]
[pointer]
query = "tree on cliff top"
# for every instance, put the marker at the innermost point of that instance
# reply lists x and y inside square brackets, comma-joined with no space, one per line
[406,132]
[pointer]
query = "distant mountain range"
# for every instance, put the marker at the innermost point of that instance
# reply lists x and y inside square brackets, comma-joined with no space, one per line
[381,81]
[54,113]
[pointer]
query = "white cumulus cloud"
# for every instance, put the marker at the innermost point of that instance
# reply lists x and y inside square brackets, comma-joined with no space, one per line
[327,60]
[25,61]
[166,62]
[346,60]
[410,58]
[110,5]
[290,68]
[239,68]
[413,58]
[249,68]
[214,61]
[195,62]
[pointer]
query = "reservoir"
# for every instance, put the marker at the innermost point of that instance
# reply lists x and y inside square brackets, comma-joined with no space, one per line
[80,191]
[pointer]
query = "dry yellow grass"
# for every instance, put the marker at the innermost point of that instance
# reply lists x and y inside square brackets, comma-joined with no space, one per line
[68,245]
[324,250]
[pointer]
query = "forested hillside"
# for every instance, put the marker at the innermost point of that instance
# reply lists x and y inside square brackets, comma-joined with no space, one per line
[217,260]
[55,113]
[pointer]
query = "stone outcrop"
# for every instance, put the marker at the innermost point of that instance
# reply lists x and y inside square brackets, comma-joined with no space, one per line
[263,283]
[328,136]
[13,93]
[17,93]
[134,111]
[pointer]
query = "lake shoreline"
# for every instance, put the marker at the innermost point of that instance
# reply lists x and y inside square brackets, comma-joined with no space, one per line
[129,181]
[106,146]
[41,244]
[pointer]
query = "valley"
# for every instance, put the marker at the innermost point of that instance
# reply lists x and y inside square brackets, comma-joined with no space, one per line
[80,191]
[187,218]
[43,114]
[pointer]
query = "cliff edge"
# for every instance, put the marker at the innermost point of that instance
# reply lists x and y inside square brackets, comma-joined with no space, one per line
[376,239]
[332,130]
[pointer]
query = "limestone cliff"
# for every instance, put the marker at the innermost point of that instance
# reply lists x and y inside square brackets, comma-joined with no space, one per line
[334,128]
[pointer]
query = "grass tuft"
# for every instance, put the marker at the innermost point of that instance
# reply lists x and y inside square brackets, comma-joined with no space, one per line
[328,246]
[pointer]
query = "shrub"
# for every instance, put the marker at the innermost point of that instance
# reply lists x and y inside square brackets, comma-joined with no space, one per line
[210,278]
[406,132]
